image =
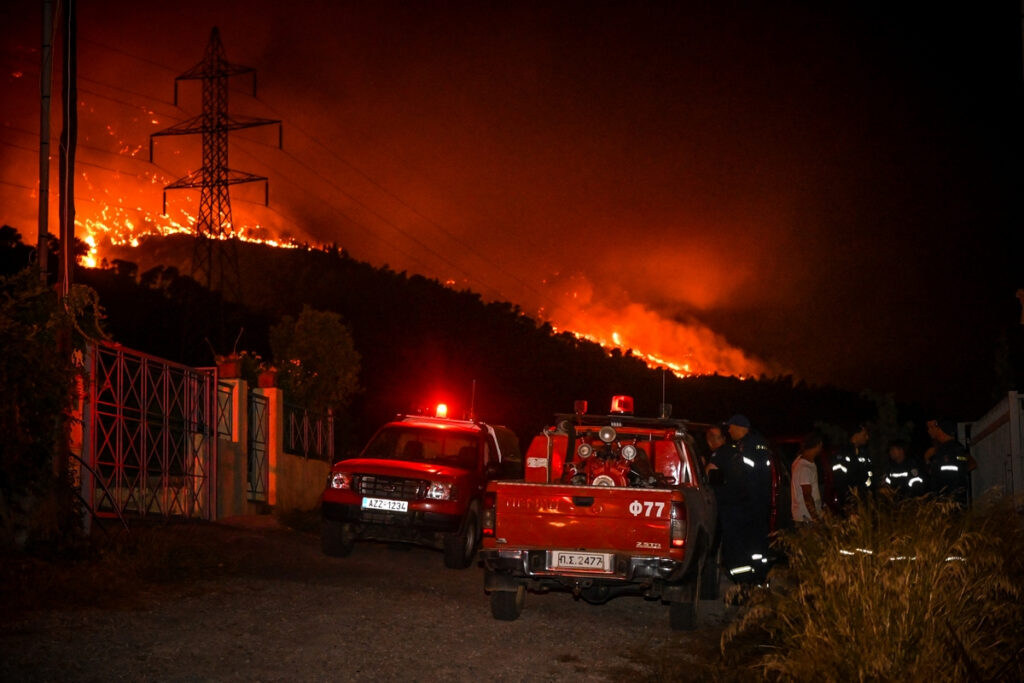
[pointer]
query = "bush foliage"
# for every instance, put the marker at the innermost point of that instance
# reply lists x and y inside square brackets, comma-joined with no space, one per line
[896,590]
[37,333]
[318,365]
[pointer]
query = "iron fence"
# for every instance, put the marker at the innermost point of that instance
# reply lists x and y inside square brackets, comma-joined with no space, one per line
[225,410]
[308,434]
[257,469]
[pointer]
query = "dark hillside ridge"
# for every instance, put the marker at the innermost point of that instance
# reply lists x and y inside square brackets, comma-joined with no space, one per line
[421,341]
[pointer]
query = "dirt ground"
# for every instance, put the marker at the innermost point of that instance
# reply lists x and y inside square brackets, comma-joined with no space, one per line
[251,600]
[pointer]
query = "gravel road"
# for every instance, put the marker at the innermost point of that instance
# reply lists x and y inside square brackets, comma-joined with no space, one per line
[276,609]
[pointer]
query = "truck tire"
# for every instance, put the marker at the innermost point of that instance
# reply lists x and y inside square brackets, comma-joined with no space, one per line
[684,614]
[710,576]
[336,539]
[460,547]
[508,605]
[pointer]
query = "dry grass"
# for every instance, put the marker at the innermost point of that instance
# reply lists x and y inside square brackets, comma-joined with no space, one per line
[909,590]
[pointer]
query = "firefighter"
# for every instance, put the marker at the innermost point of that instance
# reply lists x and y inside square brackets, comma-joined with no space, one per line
[949,463]
[851,468]
[743,490]
[716,441]
[904,474]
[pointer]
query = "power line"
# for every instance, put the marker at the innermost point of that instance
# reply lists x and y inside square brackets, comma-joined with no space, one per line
[404,203]
[464,247]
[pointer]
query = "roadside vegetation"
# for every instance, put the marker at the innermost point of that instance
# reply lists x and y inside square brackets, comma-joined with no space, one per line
[42,338]
[897,590]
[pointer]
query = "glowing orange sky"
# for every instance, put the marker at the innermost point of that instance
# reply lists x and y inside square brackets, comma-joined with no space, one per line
[778,183]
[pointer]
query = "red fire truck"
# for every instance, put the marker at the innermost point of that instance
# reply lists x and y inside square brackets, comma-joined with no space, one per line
[418,480]
[611,505]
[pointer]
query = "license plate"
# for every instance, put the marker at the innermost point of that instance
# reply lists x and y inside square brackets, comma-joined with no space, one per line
[588,562]
[385,504]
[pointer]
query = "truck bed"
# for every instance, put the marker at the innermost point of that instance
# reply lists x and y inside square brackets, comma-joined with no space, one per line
[585,518]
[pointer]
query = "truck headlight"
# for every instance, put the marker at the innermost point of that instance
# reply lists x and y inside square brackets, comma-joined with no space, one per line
[439,490]
[339,480]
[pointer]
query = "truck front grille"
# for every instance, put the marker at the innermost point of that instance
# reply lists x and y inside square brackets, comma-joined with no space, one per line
[395,488]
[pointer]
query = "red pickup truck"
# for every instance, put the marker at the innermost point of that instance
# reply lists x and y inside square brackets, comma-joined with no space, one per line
[611,505]
[418,480]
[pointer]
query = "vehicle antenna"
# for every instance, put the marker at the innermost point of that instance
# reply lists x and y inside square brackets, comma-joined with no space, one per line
[472,402]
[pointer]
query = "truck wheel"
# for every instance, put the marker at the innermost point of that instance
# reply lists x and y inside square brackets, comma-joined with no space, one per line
[684,614]
[336,539]
[460,547]
[710,577]
[508,605]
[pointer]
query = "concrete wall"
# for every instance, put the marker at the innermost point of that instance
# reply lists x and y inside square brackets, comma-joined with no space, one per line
[232,484]
[295,483]
[232,459]
[300,481]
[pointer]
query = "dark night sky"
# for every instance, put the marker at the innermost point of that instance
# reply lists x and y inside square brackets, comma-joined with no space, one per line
[833,191]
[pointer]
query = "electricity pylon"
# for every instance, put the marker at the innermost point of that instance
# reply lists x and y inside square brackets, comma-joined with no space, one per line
[214,228]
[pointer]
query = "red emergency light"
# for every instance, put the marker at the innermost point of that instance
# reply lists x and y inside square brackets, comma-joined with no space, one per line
[441,411]
[622,405]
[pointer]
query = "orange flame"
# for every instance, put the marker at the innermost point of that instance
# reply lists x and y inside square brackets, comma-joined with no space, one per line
[118,225]
[683,349]
[107,219]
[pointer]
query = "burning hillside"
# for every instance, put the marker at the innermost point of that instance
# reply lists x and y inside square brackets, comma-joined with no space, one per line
[684,348]
[117,197]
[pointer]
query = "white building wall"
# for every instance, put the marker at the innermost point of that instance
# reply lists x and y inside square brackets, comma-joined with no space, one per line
[995,444]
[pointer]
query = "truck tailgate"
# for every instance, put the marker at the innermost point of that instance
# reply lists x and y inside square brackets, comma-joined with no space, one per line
[583,517]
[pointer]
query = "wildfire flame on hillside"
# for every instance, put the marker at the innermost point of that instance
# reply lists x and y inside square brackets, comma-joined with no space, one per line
[684,349]
[116,226]
[111,214]
[611,320]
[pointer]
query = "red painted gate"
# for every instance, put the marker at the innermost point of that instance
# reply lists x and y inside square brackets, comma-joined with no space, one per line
[149,436]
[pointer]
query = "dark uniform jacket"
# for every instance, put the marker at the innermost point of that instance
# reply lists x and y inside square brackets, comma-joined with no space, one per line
[746,478]
[947,471]
[906,478]
[851,471]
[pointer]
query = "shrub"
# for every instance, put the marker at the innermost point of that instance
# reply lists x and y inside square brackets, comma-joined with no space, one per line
[37,333]
[898,590]
[317,363]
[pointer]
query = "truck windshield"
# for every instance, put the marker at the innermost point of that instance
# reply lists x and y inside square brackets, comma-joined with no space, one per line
[438,446]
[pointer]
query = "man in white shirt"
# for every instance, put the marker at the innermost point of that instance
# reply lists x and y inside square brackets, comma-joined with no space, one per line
[804,492]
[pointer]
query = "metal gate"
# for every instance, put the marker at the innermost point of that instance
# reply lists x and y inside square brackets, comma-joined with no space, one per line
[150,436]
[258,470]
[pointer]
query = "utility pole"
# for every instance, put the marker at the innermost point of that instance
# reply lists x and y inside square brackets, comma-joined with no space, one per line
[68,142]
[214,225]
[45,86]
